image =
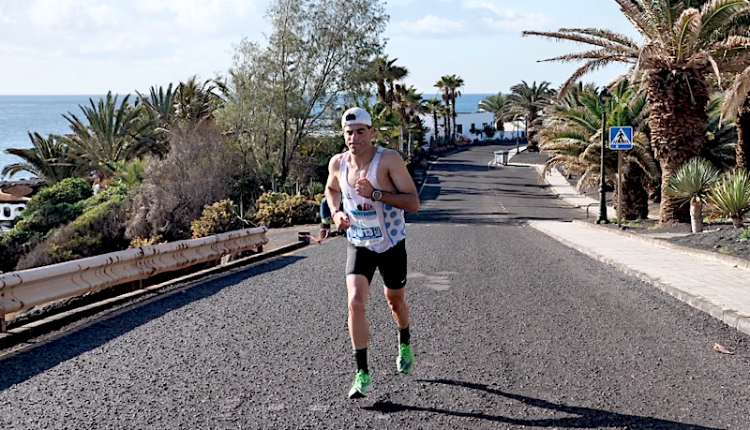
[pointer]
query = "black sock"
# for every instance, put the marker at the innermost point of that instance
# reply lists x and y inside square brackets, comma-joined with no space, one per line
[403,336]
[361,356]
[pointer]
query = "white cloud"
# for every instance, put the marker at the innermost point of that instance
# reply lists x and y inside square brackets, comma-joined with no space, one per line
[433,25]
[508,19]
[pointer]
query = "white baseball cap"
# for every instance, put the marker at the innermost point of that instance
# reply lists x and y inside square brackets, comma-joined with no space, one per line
[356,115]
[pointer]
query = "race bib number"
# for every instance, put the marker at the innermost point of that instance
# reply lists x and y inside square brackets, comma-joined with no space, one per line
[365,230]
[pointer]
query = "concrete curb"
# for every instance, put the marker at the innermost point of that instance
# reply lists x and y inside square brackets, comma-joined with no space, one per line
[728,316]
[18,335]
[735,262]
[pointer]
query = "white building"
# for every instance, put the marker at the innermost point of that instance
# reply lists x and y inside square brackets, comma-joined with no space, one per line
[465,122]
[10,207]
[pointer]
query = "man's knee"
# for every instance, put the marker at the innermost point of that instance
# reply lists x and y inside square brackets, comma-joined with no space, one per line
[396,299]
[358,290]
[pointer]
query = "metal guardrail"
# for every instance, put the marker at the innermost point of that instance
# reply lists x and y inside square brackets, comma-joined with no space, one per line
[33,287]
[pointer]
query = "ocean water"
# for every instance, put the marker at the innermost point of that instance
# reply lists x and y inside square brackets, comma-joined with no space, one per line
[44,115]
[467,103]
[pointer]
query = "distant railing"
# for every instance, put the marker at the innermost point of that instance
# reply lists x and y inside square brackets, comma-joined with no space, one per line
[33,287]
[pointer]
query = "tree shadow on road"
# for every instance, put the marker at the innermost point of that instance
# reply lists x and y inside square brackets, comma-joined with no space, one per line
[585,418]
[27,364]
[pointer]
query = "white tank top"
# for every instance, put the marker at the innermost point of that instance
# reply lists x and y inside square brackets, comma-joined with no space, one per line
[374,225]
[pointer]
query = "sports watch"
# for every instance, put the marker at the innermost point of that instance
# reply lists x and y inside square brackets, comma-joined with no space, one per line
[376,195]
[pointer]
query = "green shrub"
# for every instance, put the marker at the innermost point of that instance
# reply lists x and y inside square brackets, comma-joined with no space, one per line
[220,217]
[69,190]
[283,210]
[745,235]
[731,196]
[46,212]
[98,230]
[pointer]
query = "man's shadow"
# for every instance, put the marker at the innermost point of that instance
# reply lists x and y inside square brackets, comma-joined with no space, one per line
[585,418]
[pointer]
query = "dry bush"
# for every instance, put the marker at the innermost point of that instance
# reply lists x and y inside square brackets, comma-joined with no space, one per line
[196,172]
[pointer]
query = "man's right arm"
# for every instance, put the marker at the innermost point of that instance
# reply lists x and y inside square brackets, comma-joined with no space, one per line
[333,191]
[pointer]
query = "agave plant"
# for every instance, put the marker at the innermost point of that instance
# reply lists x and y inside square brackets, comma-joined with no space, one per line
[314,188]
[693,183]
[731,196]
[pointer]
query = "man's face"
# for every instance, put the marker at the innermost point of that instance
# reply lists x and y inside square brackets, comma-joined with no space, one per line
[357,136]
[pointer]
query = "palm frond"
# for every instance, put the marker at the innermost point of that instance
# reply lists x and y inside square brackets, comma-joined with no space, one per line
[686,31]
[638,18]
[718,13]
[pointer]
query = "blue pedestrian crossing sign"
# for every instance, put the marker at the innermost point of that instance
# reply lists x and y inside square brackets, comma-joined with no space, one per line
[620,138]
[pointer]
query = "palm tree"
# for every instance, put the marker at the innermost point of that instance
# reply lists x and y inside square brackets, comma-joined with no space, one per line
[572,133]
[720,137]
[433,106]
[443,85]
[196,102]
[496,106]
[693,182]
[681,47]
[111,134]
[50,160]
[161,109]
[736,106]
[387,73]
[456,83]
[527,102]
[409,104]
[385,123]
[451,86]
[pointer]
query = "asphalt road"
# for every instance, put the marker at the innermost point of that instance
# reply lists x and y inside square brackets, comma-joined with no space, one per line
[510,330]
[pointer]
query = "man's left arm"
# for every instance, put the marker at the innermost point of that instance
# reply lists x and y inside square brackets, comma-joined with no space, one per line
[406,196]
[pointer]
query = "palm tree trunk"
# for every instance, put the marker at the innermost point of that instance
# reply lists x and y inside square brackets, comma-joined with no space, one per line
[696,217]
[453,112]
[743,135]
[434,118]
[678,101]
[634,195]
[382,93]
[447,125]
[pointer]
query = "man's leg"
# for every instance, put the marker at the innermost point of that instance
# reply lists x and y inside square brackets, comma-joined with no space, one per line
[360,268]
[357,289]
[399,308]
[393,270]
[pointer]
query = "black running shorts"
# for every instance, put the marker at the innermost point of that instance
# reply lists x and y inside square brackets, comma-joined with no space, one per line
[391,263]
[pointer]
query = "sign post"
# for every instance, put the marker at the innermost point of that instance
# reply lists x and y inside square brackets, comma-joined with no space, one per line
[620,139]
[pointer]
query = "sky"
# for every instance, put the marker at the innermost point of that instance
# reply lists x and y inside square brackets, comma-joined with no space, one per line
[89,47]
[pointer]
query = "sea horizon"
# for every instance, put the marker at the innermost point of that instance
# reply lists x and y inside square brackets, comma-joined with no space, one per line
[43,114]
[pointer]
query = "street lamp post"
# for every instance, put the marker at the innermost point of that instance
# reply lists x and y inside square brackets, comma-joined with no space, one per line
[603,98]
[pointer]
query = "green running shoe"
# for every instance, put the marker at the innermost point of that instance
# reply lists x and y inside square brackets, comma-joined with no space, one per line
[359,387]
[405,359]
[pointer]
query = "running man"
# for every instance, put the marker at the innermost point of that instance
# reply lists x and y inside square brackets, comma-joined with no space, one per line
[376,189]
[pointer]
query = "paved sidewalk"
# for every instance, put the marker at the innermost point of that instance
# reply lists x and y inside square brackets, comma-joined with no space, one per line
[710,282]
